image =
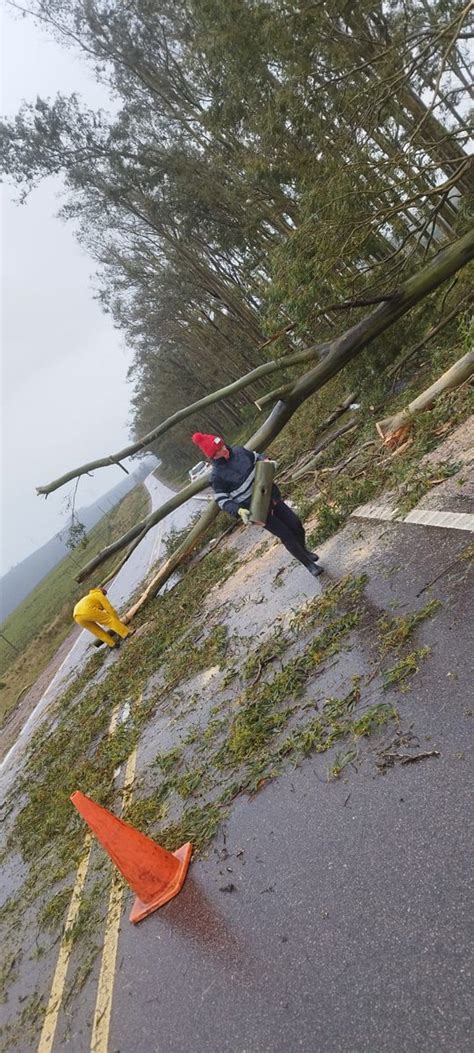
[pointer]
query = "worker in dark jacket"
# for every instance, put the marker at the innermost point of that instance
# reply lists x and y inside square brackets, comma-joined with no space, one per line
[233,472]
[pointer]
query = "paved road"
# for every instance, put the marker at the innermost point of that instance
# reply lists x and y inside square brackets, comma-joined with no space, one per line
[350,926]
[126,582]
[327,917]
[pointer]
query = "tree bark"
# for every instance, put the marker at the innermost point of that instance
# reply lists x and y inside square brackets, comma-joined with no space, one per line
[354,340]
[461,371]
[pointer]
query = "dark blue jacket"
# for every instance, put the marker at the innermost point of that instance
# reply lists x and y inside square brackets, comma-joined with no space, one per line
[232,479]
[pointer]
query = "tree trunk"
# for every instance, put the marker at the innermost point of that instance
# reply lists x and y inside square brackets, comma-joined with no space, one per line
[341,351]
[461,371]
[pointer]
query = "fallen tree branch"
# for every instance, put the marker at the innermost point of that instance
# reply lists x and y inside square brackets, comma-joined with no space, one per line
[208,516]
[142,528]
[255,374]
[338,468]
[276,336]
[340,351]
[321,447]
[469,554]
[393,430]
[394,369]
[338,412]
[349,305]
[409,759]
[325,424]
[273,396]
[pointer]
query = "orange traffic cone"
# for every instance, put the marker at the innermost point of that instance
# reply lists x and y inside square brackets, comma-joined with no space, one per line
[154,874]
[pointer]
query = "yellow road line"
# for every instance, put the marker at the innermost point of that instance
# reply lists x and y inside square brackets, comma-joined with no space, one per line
[57,988]
[59,978]
[103,1008]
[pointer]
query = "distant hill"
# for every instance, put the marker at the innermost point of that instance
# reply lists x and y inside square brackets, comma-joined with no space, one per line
[21,579]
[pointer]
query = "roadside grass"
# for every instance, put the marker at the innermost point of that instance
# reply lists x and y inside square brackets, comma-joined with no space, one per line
[43,620]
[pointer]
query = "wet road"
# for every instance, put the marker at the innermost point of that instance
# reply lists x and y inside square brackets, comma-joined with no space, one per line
[128,579]
[327,916]
[349,924]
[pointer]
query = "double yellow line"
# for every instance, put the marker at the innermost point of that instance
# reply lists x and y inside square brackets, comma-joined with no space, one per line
[103,1007]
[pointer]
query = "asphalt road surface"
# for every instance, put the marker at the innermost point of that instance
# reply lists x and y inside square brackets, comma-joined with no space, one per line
[327,916]
[331,917]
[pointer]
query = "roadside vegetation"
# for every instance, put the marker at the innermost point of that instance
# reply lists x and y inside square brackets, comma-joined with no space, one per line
[42,621]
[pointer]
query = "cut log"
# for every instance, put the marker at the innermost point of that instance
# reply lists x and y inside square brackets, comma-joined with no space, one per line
[262,491]
[394,430]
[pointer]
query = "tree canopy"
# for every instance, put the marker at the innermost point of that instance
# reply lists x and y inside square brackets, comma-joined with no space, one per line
[265,160]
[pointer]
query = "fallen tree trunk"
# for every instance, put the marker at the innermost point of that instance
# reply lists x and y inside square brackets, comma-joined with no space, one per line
[142,528]
[275,365]
[340,351]
[264,370]
[125,558]
[168,568]
[395,429]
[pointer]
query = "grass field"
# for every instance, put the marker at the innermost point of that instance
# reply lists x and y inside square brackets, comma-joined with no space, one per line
[42,621]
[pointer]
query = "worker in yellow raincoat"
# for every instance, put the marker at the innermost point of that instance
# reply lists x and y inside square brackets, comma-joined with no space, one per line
[93,611]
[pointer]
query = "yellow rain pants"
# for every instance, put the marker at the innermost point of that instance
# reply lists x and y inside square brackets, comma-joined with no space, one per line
[95,610]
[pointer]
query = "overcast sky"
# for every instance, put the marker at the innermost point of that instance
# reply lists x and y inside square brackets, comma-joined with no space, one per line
[64,396]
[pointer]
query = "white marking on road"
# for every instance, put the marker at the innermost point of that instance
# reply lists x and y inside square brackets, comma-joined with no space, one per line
[450,520]
[156,547]
[419,516]
[39,705]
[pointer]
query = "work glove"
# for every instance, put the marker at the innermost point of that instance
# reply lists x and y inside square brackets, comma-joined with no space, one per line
[244,515]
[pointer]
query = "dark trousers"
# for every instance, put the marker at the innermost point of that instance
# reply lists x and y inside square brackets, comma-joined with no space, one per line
[285,524]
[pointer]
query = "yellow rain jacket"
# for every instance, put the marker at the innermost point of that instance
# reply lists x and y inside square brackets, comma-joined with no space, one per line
[95,610]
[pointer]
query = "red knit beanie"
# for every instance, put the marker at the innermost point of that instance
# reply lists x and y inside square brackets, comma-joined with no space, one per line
[209,444]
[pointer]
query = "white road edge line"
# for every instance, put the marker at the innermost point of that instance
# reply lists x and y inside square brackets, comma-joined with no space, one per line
[156,547]
[418,516]
[40,704]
